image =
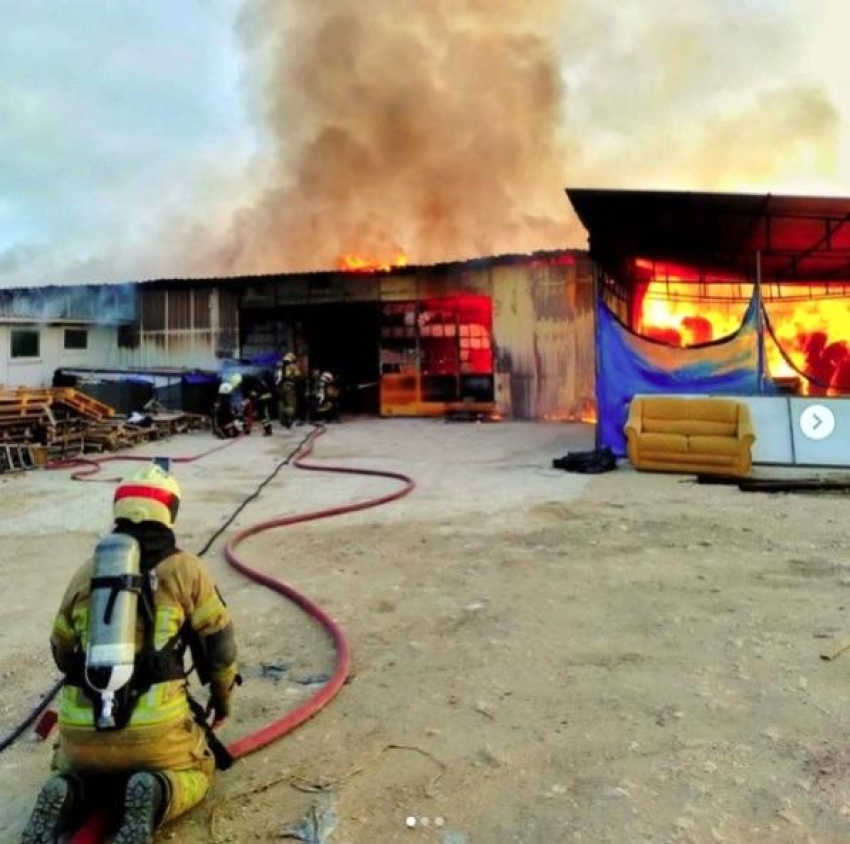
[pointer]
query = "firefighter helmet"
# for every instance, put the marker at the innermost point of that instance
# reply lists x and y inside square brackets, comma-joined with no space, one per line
[225,389]
[289,357]
[151,495]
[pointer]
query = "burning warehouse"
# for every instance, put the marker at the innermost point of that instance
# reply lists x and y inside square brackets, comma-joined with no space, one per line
[511,335]
[688,293]
[735,294]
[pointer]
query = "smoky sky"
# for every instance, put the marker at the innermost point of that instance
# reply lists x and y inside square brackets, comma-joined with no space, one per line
[446,129]
[449,129]
[405,127]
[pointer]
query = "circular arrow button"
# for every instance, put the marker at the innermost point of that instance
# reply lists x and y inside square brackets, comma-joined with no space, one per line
[817,422]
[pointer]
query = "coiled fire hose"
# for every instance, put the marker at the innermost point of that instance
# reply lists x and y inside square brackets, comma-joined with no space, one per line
[96,827]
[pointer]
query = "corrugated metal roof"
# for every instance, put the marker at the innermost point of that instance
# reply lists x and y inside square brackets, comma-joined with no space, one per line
[100,304]
[804,238]
[410,269]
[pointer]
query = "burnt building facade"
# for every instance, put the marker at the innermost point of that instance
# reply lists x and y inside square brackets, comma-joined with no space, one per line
[511,335]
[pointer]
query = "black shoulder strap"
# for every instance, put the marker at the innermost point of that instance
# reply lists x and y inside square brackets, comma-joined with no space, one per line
[223,757]
[116,583]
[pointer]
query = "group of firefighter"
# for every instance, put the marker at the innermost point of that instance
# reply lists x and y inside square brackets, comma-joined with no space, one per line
[285,393]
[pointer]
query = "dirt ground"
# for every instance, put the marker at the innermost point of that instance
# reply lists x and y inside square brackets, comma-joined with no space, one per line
[538,656]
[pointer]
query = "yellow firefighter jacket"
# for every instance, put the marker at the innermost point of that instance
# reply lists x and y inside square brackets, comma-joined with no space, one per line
[161,733]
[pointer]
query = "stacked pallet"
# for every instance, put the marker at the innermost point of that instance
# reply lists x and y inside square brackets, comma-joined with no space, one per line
[40,425]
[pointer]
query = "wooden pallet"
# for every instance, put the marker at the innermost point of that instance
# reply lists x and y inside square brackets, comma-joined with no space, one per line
[61,423]
[23,398]
[16,458]
[83,404]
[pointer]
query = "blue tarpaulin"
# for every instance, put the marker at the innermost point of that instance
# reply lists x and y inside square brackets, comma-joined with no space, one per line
[630,365]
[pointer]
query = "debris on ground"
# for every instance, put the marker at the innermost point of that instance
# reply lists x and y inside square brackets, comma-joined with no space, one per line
[316,826]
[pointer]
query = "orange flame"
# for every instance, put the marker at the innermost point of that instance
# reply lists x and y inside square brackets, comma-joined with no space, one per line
[353,263]
[812,333]
[586,412]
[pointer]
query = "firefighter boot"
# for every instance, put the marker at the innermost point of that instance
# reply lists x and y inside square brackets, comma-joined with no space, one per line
[55,808]
[145,801]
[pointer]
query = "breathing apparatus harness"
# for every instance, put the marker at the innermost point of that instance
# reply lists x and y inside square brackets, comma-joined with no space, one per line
[111,673]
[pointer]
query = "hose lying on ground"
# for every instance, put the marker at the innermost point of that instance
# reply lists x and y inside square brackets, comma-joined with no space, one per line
[16,732]
[94,830]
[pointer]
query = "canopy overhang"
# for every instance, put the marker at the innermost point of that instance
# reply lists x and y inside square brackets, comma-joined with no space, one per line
[790,238]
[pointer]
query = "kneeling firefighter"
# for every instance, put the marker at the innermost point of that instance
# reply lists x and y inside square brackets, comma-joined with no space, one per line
[128,730]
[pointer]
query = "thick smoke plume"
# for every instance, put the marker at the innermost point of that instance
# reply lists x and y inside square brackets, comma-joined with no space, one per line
[424,127]
[449,129]
[445,129]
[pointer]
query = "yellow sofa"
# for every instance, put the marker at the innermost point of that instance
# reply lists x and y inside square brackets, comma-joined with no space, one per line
[695,435]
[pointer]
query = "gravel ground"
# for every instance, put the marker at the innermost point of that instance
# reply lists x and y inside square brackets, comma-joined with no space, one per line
[537,655]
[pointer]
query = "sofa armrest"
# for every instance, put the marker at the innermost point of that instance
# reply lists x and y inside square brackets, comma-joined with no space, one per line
[746,432]
[634,423]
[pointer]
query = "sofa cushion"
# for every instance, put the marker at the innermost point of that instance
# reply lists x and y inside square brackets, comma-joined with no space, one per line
[664,442]
[680,407]
[694,462]
[713,445]
[683,425]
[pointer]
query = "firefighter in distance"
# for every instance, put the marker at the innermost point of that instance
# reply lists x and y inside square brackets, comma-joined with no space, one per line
[324,395]
[226,424]
[289,380]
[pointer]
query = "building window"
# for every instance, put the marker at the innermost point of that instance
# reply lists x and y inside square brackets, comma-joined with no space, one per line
[128,337]
[25,343]
[76,339]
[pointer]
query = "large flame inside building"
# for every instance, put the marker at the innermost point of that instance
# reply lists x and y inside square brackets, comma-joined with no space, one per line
[807,325]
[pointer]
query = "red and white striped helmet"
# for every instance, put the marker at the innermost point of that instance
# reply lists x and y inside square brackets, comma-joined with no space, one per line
[151,495]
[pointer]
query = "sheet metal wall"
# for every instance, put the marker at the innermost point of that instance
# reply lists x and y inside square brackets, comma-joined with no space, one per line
[543,327]
[543,322]
[183,326]
[315,289]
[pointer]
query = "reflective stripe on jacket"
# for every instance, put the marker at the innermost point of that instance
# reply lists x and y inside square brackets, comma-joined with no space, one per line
[185,594]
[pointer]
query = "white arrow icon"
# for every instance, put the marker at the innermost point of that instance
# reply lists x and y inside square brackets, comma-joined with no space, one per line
[817,422]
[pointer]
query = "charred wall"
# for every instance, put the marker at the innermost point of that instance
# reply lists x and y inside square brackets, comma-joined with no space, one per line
[542,321]
[543,314]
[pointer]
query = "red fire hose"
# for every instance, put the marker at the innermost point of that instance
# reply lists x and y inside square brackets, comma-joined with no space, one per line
[95,829]
[94,463]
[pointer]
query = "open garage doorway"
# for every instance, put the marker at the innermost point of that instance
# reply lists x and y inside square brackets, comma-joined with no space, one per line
[343,339]
[340,337]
